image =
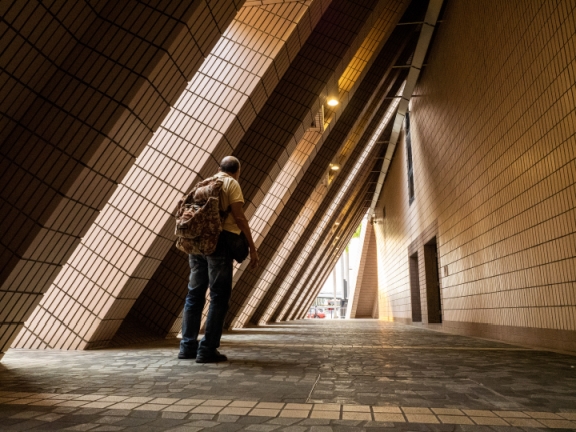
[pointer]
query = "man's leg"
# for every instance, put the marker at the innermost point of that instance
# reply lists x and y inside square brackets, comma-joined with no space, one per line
[220,272]
[195,300]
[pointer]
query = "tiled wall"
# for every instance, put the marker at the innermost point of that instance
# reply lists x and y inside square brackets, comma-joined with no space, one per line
[120,253]
[69,131]
[494,168]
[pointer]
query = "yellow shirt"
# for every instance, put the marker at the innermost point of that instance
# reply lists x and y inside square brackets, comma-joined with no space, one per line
[230,193]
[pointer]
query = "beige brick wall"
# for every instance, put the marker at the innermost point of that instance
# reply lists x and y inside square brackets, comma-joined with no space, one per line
[494,168]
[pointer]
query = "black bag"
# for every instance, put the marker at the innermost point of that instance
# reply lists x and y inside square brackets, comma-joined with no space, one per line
[237,245]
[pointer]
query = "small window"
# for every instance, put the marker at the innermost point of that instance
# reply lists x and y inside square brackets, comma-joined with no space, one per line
[409,159]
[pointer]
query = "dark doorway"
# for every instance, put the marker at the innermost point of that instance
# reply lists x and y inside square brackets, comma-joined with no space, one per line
[415,289]
[432,282]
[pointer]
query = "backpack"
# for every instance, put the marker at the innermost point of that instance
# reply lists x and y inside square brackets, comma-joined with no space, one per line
[199,219]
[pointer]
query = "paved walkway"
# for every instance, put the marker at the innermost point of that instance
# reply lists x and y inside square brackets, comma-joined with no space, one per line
[302,376]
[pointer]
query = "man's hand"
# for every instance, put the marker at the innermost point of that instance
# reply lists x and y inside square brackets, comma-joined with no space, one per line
[253,258]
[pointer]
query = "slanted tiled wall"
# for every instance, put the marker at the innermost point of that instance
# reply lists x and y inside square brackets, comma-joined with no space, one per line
[84,86]
[494,164]
[278,245]
[134,232]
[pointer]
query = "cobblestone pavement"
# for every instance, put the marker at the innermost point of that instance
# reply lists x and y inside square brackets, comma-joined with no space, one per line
[301,376]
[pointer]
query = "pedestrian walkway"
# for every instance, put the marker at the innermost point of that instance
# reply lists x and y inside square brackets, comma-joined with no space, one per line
[300,376]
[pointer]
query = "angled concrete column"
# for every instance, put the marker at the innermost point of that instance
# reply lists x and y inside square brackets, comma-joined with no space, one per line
[109,73]
[333,202]
[367,281]
[328,241]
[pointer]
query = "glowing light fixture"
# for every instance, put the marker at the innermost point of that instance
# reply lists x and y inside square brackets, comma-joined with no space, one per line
[334,167]
[332,102]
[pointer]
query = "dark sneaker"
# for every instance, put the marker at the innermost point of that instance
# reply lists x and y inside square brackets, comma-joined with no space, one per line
[185,356]
[214,357]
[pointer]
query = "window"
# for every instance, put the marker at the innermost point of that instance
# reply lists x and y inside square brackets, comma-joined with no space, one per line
[409,159]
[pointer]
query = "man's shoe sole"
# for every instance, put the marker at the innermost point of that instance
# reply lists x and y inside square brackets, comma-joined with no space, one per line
[184,357]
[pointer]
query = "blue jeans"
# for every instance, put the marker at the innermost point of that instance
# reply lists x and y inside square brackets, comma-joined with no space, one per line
[213,270]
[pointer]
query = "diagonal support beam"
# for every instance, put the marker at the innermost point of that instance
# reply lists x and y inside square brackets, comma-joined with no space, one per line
[422,46]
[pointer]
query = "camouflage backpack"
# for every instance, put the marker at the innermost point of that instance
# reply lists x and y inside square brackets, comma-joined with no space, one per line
[199,219]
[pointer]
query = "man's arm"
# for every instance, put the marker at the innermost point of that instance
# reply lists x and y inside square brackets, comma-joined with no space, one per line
[242,223]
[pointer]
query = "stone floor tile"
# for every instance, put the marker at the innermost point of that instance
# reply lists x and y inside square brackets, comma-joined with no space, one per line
[416,410]
[543,415]
[27,414]
[216,403]
[314,422]
[174,415]
[185,428]
[163,401]
[262,427]
[138,399]
[97,404]
[89,397]
[421,418]
[124,406]
[294,429]
[356,416]
[356,408]
[479,413]
[206,410]
[489,421]
[263,412]
[290,413]
[389,417]
[108,428]
[235,411]
[327,407]
[45,402]
[150,407]
[448,411]
[524,422]
[455,419]
[316,414]
[270,405]
[511,414]
[387,409]
[558,424]
[177,409]
[298,406]
[321,429]
[243,404]
[50,417]
[82,427]
[190,402]
[113,399]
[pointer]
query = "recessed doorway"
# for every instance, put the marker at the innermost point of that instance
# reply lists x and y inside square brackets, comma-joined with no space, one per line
[415,289]
[433,298]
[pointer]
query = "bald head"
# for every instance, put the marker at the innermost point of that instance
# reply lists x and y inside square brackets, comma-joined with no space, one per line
[230,165]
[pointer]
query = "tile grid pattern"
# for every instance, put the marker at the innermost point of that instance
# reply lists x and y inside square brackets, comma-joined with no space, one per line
[78,132]
[328,218]
[494,166]
[133,232]
[221,407]
[283,279]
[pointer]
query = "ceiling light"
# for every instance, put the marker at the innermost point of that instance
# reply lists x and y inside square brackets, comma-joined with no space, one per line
[333,102]
[334,167]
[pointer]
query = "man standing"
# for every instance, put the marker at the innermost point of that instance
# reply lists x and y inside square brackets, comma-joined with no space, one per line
[215,270]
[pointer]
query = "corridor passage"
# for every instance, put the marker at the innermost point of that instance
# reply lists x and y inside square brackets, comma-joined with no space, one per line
[299,376]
